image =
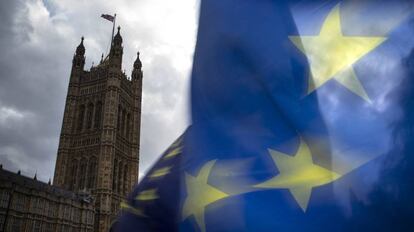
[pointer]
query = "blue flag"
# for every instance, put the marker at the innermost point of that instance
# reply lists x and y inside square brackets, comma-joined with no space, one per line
[302,120]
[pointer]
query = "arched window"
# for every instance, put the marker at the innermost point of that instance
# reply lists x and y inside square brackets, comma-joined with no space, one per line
[126,187]
[128,125]
[114,175]
[89,116]
[81,115]
[98,113]
[83,173]
[92,172]
[74,173]
[120,175]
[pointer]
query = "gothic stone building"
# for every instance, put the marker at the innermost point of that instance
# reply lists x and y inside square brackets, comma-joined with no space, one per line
[99,141]
[97,158]
[28,205]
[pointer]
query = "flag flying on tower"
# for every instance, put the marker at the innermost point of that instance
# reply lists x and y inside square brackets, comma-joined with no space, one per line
[108,17]
[302,120]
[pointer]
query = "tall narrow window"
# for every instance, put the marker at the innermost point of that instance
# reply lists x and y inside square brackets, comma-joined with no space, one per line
[81,115]
[92,172]
[118,127]
[126,187]
[98,112]
[4,198]
[89,116]
[120,175]
[128,126]
[16,224]
[123,122]
[114,175]
[74,173]
[83,173]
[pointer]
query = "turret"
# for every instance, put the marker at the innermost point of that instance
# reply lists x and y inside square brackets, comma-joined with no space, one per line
[115,55]
[79,57]
[137,72]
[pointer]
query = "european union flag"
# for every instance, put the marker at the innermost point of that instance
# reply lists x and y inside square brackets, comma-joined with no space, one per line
[302,120]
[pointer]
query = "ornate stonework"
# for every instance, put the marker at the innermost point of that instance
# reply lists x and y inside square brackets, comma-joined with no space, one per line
[99,142]
[28,205]
[97,159]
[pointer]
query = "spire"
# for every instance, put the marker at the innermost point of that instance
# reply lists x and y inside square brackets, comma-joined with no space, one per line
[35,176]
[115,56]
[137,63]
[102,58]
[118,38]
[80,50]
[49,182]
[79,57]
[137,72]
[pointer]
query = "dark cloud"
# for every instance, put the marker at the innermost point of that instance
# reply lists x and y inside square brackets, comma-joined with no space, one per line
[38,40]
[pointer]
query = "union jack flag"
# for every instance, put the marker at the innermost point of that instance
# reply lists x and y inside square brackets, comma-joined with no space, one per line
[108,17]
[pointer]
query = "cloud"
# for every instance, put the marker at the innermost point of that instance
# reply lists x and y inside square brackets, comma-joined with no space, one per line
[38,41]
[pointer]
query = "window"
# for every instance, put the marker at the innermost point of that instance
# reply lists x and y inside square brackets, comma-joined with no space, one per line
[83,173]
[66,228]
[4,198]
[48,227]
[98,112]
[74,173]
[36,205]
[123,122]
[126,187]
[39,206]
[128,125]
[66,212]
[19,202]
[52,209]
[118,125]
[2,221]
[92,172]
[96,222]
[77,215]
[114,175]
[16,224]
[46,208]
[37,226]
[80,117]
[120,172]
[89,116]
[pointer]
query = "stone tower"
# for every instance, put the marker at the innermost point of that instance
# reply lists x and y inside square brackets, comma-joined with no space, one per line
[99,141]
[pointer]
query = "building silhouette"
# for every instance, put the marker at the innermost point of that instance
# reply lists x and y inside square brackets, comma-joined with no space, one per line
[99,141]
[98,154]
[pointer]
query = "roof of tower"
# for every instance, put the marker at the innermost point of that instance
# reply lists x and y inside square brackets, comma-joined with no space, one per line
[118,37]
[137,63]
[80,50]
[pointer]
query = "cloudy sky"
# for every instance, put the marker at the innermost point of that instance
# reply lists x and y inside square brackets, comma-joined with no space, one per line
[38,39]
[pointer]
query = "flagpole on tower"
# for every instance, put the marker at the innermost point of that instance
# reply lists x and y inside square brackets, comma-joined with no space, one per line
[113,29]
[112,19]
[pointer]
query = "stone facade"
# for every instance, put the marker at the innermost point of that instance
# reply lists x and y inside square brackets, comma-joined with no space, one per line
[99,143]
[28,205]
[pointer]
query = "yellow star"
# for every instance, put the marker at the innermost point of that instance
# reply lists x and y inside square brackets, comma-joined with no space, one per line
[129,208]
[147,195]
[172,153]
[160,172]
[298,174]
[200,194]
[331,54]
